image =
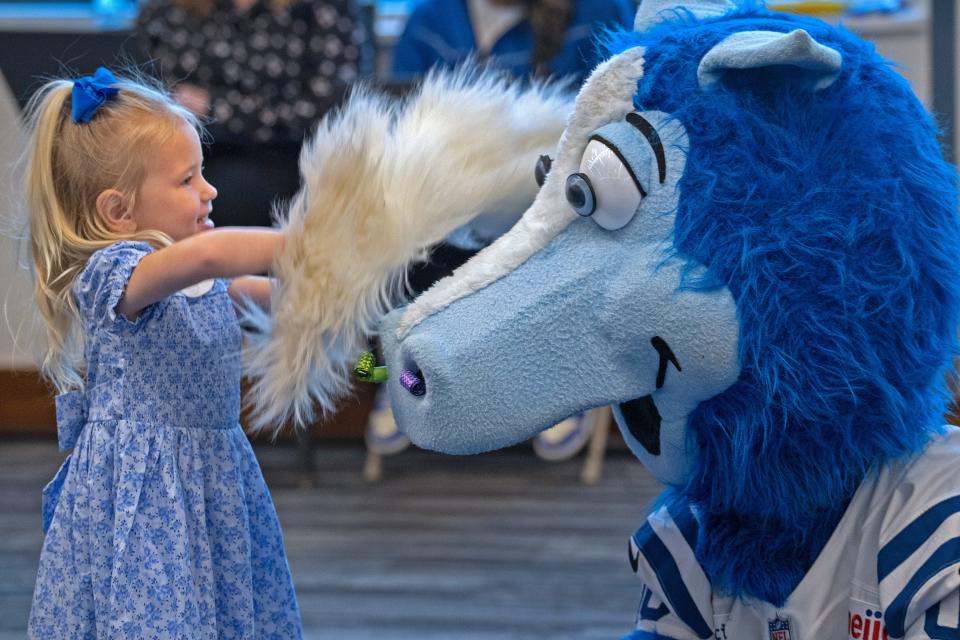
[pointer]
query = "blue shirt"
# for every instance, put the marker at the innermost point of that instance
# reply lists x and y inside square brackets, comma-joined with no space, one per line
[439,32]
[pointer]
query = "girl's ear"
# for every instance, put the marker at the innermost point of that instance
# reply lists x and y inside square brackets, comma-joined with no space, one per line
[114,210]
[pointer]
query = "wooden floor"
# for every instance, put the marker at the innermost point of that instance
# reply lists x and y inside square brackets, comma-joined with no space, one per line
[498,546]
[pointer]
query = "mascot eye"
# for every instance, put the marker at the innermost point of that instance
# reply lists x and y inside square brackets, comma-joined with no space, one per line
[580,194]
[612,193]
[543,168]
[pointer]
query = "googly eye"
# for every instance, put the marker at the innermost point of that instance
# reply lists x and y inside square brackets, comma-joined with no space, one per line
[613,188]
[544,163]
[580,194]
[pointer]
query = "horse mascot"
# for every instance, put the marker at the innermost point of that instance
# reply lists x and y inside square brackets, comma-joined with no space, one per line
[746,241]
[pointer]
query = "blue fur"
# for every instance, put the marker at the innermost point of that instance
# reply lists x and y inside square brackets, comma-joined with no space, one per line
[831,217]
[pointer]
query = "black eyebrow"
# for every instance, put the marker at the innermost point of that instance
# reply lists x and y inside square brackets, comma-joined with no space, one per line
[653,138]
[616,152]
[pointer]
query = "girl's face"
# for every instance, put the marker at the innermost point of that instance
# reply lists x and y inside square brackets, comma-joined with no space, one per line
[174,197]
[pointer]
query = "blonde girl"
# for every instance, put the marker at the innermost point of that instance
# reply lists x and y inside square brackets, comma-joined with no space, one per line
[159,524]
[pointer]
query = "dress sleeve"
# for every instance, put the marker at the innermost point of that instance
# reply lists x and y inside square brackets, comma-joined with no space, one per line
[103,282]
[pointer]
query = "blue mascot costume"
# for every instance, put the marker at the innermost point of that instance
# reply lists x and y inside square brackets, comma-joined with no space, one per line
[747,243]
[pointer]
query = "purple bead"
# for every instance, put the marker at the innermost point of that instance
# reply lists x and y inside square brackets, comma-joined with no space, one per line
[412,382]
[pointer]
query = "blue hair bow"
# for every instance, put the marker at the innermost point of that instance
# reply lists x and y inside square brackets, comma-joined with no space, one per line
[90,93]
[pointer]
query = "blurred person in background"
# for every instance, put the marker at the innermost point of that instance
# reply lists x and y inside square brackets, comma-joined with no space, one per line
[261,73]
[527,38]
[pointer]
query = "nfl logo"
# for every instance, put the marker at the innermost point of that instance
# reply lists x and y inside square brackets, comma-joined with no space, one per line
[779,628]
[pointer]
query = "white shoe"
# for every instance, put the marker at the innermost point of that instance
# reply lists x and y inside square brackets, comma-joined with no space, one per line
[382,435]
[563,440]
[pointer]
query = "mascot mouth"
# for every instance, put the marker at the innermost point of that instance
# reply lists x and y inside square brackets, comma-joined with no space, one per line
[643,422]
[641,415]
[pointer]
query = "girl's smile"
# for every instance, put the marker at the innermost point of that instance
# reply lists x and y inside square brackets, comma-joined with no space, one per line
[174,197]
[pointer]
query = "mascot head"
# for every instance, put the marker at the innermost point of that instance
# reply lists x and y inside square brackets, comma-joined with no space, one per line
[746,242]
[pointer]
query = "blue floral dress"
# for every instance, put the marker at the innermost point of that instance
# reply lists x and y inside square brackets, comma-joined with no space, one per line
[159,524]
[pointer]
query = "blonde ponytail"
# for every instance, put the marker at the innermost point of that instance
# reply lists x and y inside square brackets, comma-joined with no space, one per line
[68,165]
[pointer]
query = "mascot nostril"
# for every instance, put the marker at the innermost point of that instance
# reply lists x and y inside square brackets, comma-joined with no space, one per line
[413,382]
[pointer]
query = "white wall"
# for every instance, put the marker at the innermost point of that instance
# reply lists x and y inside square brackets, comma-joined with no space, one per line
[19,330]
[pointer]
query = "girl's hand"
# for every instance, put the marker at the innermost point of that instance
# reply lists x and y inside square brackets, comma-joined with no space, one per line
[255,289]
[193,98]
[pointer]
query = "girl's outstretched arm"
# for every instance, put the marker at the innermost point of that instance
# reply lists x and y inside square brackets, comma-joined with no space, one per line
[221,253]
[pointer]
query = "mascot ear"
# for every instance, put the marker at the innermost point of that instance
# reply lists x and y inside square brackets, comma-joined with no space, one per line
[816,65]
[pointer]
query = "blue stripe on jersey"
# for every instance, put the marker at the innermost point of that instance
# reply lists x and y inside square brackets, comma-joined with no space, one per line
[933,629]
[683,517]
[893,554]
[646,635]
[946,555]
[668,574]
[649,613]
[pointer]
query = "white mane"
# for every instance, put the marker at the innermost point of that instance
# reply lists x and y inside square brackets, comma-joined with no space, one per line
[384,180]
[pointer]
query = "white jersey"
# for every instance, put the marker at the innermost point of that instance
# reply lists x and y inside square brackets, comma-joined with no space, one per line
[891,568]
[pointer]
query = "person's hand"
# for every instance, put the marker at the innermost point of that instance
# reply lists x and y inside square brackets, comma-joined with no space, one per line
[193,98]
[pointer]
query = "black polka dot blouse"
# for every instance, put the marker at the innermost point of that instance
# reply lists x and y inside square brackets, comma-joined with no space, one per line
[271,73]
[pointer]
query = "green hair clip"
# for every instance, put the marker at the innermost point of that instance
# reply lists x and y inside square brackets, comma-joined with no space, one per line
[367,370]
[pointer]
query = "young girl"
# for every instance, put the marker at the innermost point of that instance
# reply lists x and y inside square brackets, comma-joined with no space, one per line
[159,525]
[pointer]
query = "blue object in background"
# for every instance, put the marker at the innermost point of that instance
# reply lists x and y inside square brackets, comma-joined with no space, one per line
[870,6]
[110,13]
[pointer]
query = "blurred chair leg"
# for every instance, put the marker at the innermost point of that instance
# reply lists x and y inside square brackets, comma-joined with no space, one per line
[593,464]
[373,466]
[308,468]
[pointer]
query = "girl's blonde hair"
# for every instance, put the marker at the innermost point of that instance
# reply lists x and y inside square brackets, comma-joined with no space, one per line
[68,164]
